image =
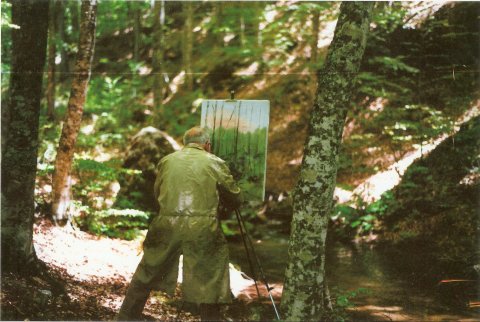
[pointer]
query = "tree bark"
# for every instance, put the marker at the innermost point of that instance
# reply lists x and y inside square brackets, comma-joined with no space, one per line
[73,117]
[51,62]
[60,28]
[316,30]
[188,43]
[243,40]
[157,70]
[303,296]
[257,21]
[19,156]
[217,17]
[137,25]
[74,6]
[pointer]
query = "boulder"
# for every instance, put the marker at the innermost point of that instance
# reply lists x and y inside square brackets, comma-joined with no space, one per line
[146,149]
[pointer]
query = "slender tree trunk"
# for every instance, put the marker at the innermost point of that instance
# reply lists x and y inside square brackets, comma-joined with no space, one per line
[137,25]
[217,17]
[157,70]
[304,291]
[188,43]
[19,156]
[243,40]
[257,21]
[73,117]
[74,7]
[316,30]
[60,28]
[51,61]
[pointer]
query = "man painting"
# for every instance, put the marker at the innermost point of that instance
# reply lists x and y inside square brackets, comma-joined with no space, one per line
[189,185]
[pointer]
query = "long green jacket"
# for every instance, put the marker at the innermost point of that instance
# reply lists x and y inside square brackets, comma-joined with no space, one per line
[189,185]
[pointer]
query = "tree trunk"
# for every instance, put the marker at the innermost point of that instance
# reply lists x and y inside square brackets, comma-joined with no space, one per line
[217,17]
[60,28]
[74,6]
[188,43]
[51,62]
[157,70]
[73,117]
[19,157]
[257,22]
[243,40]
[303,296]
[137,25]
[316,30]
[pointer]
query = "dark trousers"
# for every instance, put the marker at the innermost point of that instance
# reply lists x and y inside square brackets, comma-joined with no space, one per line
[134,302]
[137,296]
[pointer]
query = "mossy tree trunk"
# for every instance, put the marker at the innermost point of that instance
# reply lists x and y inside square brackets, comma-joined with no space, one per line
[73,117]
[157,70]
[304,290]
[19,156]
[188,43]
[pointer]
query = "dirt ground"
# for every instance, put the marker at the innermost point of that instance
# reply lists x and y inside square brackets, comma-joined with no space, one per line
[96,272]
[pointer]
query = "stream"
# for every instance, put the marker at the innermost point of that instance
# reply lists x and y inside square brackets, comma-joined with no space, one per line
[388,286]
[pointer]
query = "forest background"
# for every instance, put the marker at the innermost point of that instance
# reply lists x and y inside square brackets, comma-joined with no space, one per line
[407,169]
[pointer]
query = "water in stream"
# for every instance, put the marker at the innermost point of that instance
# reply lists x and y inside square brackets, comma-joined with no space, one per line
[392,291]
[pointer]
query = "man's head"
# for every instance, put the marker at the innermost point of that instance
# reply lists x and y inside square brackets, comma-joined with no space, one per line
[198,135]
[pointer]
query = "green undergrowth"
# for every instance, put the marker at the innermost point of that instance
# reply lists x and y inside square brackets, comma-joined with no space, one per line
[118,223]
[361,218]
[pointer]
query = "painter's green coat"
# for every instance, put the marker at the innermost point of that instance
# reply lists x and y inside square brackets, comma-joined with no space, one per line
[188,185]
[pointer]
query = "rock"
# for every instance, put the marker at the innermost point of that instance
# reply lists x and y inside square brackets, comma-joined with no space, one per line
[42,297]
[146,149]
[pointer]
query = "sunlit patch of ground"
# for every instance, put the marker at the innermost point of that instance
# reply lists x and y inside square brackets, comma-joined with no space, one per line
[85,256]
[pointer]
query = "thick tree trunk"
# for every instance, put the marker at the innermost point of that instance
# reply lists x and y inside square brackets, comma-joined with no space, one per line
[73,117]
[157,70]
[303,296]
[51,62]
[188,43]
[19,157]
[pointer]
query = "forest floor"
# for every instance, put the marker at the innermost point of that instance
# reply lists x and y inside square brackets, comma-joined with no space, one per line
[95,272]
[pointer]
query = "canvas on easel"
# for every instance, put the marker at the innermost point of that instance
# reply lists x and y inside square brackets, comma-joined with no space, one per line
[239,134]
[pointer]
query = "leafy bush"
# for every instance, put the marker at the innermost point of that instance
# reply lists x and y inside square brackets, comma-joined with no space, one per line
[119,223]
[342,300]
[361,219]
